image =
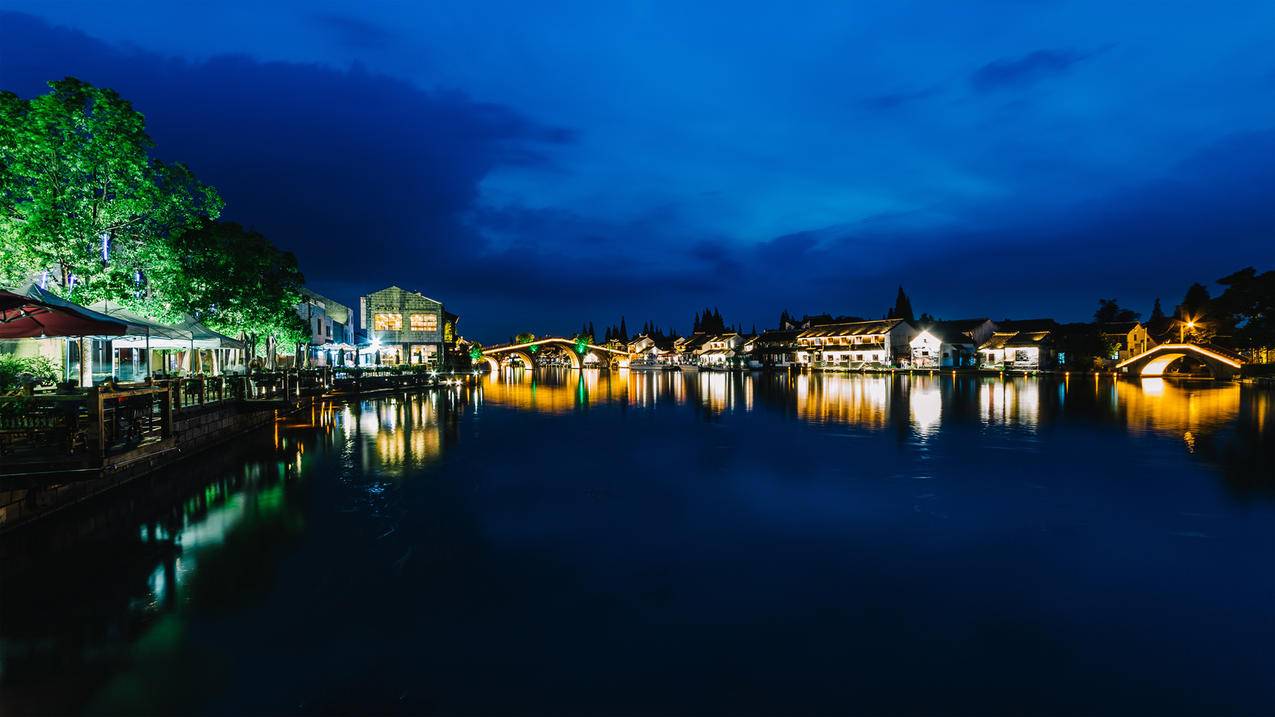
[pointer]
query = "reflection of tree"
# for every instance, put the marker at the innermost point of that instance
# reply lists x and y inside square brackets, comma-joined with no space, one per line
[1245,449]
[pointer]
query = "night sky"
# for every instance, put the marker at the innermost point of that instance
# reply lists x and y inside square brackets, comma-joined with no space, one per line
[534,168]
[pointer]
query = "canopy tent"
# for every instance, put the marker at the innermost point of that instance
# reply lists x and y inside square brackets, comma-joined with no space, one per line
[143,331]
[32,312]
[206,338]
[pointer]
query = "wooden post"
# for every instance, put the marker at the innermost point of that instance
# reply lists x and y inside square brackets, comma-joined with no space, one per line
[167,430]
[94,405]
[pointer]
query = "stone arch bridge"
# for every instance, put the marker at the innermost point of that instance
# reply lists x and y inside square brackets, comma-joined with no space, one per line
[579,352]
[1156,360]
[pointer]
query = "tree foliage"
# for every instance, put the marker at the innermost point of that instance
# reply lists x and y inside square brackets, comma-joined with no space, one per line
[902,308]
[1109,311]
[235,281]
[1246,308]
[80,197]
[84,206]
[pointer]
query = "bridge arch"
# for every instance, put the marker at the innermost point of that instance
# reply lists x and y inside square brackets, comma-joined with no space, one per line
[605,357]
[1157,360]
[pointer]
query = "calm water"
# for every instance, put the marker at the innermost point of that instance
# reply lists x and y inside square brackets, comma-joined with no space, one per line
[660,544]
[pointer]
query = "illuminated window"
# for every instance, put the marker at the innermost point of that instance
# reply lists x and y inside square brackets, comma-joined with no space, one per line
[387,322]
[424,322]
[423,353]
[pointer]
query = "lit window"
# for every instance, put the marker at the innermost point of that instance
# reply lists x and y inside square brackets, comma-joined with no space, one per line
[387,322]
[424,322]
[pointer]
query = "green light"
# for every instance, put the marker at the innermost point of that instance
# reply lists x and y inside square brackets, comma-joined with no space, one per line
[581,346]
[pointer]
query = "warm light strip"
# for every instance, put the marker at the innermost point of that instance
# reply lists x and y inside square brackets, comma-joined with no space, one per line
[538,342]
[1183,347]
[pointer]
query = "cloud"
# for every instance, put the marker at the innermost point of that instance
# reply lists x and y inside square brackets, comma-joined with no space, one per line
[367,178]
[355,33]
[895,100]
[1025,70]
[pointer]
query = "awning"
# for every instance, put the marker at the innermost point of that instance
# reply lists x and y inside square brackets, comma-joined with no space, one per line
[144,332]
[32,312]
[206,338]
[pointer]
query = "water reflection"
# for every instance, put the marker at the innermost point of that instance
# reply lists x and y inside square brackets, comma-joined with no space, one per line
[917,407]
[412,489]
[394,435]
[865,401]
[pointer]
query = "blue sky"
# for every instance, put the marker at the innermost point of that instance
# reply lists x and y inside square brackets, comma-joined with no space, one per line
[536,165]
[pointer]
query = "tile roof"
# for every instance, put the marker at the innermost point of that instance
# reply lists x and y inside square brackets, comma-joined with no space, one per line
[856,328]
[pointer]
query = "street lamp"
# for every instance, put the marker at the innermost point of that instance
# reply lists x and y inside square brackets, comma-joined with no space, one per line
[1190,324]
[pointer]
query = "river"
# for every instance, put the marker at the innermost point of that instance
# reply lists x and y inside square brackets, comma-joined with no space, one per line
[566,543]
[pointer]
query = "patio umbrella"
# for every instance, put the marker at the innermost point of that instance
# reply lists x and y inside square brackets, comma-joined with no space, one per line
[33,313]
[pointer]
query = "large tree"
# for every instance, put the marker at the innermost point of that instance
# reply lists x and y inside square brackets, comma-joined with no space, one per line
[235,281]
[902,308]
[1109,311]
[82,203]
[1246,308]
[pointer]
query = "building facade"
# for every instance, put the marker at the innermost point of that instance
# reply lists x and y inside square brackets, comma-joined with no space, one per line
[1127,339]
[1019,351]
[721,350]
[405,327]
[953,344]
[856,343]
[331,330]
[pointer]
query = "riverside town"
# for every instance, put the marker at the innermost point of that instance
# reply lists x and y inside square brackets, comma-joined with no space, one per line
[342,374]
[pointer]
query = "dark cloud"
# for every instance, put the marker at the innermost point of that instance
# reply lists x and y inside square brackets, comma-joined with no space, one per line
[1025,70]
[372,180]
[360,174]
[895,100]
[355,33]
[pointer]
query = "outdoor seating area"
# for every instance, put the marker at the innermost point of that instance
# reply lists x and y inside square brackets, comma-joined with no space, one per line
[71,428]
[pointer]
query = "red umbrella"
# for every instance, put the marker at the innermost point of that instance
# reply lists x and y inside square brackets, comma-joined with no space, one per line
[37,313]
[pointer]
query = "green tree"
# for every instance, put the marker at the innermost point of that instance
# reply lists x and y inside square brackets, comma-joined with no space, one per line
[80,197]
[235,281]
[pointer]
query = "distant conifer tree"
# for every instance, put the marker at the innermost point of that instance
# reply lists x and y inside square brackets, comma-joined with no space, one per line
[1157,313]
[902,307]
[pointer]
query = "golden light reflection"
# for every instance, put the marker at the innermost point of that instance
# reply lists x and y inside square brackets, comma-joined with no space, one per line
[859,400]
[925,403]
[1177,408]
[555,390]
[1015,401]
[397,433]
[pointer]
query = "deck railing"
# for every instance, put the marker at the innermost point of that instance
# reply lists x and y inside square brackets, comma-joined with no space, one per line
[81,428]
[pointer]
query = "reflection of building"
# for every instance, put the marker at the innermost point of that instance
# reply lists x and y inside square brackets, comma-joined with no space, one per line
[405,327]
[884,342]
[950,343]
[331,329]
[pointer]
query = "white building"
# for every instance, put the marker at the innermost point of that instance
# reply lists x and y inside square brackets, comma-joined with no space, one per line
[1018,350]
[720,350]
[945,344]
[855,344]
